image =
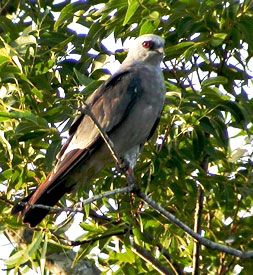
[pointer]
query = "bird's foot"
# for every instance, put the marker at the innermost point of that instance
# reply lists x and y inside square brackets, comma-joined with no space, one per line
[122,166]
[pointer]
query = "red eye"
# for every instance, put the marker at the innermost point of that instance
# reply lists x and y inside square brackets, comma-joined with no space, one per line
[147,44]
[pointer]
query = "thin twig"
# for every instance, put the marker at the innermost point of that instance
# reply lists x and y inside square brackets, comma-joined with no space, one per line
[4,199]
[196,236]
[161,210]
[147,257]
[101,237]
[121,164]
[177,269]
[103,134]
[197,229]
[4,6]
[198,216]
[126,189]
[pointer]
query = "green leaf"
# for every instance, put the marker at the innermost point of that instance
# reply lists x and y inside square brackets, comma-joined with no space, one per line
[51,39]
[234,109]
[24,255]
[214,81]
[94,33]
[4,59]
[27,115]
[132,8]
[68,12]
[90,228]
[246,26]
[177,50]
[237,155]
[206,124]
[154,15]
[5,143]
[148,27]
[92,87]
[126,257]
[43,254]
[83,79]
[87,210]
[24,41]
[218,39]
[51,153]
[33,134]
[202,54]
[9,27]
[189,53]
[198,143]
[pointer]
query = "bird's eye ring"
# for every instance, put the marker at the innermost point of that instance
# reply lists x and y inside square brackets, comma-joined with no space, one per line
[147,44]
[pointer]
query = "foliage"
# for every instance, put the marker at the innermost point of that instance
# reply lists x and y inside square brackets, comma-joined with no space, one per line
[209,107]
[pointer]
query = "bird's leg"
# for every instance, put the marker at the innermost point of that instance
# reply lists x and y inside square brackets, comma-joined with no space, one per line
[122,166]
[130,176]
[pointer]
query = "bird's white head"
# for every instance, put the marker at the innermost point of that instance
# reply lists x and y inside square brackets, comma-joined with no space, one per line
[148,48]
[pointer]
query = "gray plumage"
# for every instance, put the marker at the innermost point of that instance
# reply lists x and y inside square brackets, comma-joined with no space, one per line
[127,107]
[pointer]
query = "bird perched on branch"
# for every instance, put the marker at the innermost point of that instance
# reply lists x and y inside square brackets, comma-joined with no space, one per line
[127,107]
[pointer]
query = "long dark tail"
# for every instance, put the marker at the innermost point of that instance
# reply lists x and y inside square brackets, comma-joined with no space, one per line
[43,195]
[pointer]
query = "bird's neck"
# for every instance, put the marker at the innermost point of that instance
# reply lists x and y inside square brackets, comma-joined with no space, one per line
[128,62]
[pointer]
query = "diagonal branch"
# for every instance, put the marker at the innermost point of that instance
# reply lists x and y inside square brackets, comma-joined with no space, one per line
[147,257]
[158,208]
[207,243]
[103,134]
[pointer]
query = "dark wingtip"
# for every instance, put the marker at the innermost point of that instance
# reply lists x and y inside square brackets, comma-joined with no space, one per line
[17,208]
[34,216]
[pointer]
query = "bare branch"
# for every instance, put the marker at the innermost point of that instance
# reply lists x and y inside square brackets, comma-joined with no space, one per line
[100,237]
[126,189]
[147,257]
[3,198]
[207,243]
[103,134]
[197,229]
[177,269]
[157,207]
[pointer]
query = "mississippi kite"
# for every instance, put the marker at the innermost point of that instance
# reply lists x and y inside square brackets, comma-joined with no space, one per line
[127,107]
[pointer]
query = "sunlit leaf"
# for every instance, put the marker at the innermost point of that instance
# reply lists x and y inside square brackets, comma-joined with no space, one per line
[214,81]
[67,13]
[132,7]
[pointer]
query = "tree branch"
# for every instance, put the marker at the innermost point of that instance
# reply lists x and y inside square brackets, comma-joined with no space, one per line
[197,228]
[92,240]
[157,207]
[198,215]
[86,109]
[126,189]
[147,257]
[207,243]
[177,269]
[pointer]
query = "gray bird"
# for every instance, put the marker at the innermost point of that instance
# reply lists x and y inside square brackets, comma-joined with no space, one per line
[127,107]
